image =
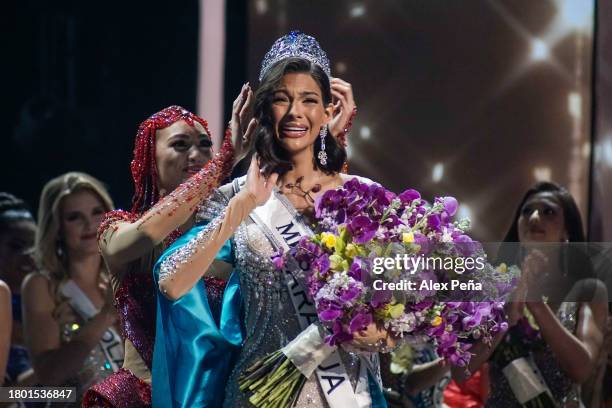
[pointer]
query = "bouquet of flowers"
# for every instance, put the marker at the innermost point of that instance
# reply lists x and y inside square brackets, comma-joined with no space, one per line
[401,263]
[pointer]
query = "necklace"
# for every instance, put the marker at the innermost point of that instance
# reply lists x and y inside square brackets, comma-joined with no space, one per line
[296,188]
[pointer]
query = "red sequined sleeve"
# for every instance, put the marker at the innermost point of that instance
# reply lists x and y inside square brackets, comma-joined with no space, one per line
[112,218]
[123,239]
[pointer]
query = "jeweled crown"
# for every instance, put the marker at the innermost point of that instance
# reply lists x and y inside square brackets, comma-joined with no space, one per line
[299,45]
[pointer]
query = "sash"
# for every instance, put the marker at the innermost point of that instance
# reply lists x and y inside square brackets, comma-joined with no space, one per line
[525,379]
[282,225]
[111,343]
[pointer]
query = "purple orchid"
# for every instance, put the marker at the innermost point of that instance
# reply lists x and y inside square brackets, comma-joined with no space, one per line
[362,229]
[409,196]
[360,322]
[338,335]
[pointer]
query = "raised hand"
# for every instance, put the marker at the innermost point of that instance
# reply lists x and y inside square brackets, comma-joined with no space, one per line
[242,125]
[257,184]
[532,277]
[344,104]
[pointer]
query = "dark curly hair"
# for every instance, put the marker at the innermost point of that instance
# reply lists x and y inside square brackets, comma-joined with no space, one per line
[8,202]
[273,157]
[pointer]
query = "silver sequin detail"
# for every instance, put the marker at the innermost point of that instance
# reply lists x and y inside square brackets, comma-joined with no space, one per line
[269,317]
[212,207]
[563,389]
[184,254]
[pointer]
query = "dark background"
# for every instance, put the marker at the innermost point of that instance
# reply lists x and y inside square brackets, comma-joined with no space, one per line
[436,82]
[81,77]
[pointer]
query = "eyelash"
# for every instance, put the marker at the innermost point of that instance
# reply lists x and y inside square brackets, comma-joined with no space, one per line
[74,217]
[546,211]
[280,99]
[182,146]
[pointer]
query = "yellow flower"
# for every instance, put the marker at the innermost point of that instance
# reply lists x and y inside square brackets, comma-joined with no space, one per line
[408,237]
[436,321]
[335,262]
[328,239]
[396,310]
[402,359]
[502,267]
[351,250]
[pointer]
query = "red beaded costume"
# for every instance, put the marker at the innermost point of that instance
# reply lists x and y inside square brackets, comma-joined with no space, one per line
[135,296]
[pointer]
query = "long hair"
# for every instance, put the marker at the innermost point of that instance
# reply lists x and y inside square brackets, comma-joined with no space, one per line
[48,250]
[273,156]
[144,166]
[574,260]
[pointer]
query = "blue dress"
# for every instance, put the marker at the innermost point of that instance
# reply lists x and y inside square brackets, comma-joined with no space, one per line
[197,339]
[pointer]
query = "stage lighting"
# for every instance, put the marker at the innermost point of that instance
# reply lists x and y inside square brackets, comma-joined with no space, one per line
[542,173]
[358,10]
[340,67]
[603,151]
[576,14]
[539,50]
[261,6]
[365,132]
[574,104]
[464,211]
[437,172]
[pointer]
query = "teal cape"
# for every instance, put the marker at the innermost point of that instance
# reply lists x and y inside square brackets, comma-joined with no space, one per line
[194,356]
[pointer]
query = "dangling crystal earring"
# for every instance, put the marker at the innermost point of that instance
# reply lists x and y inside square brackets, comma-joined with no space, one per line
[322,156]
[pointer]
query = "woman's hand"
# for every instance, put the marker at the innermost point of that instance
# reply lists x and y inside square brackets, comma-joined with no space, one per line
[373,339]
[532,274]
[242,125]
[258,185]
[344,104]
[63,313]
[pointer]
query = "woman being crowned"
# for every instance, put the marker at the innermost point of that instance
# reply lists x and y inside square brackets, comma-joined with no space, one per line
[239,229]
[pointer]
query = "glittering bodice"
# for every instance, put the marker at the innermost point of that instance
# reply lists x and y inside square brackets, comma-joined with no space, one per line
[564,391]
[269,316]
[135,301]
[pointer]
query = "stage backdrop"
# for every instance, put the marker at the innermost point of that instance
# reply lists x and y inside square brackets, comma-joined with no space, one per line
[477,99]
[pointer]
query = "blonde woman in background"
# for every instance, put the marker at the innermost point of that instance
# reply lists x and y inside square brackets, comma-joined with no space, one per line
[68,308]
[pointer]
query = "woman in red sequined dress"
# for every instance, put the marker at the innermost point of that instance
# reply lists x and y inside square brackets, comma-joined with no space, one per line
[172,172]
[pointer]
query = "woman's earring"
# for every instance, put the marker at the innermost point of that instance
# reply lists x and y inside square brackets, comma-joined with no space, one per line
[322,153]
